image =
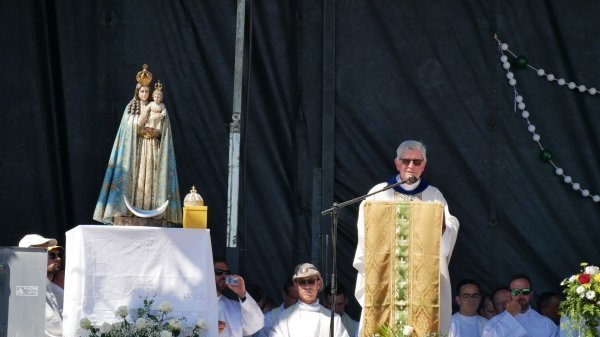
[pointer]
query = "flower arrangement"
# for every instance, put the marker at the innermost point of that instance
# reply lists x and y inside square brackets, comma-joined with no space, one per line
[582,301]
[146,323]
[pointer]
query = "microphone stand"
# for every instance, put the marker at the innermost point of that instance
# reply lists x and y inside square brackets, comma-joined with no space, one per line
[334,212]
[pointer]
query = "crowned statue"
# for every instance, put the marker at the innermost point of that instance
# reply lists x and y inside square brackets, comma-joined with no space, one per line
[140,186]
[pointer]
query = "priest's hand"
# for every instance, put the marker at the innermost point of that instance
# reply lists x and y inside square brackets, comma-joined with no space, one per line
[239,288]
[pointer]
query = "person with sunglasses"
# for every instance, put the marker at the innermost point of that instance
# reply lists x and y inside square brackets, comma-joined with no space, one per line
[532,323]
[536,324]
[410,162]
[54,293]
[237,318]
[307,318]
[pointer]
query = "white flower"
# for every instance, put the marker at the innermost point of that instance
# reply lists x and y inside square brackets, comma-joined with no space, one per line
[141,323]
[105,327]
[592,270]
[165,307]
[201,324]
[122,311]
[174,325]
[590,295]
[85,323]
[580,290]
[166,333]
[407,330]
[572,278]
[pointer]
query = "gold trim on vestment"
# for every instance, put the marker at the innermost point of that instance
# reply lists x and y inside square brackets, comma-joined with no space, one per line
[419,296]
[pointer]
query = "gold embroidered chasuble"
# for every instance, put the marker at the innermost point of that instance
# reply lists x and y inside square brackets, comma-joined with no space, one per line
[402,252]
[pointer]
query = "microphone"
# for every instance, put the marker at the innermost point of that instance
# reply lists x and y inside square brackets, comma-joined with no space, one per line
[409,180]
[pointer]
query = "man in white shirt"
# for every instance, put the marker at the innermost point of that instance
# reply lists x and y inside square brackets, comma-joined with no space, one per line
[54,293]
[504,323]
[341,302]
[290,297]
[530,322]
[236,318]
[486,309]
[307,318]
[547,305]
[536,324]
[410,161]
[466,322]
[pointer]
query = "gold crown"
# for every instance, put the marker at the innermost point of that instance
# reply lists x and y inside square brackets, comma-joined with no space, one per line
[193,198]
[158,86]
[144,77]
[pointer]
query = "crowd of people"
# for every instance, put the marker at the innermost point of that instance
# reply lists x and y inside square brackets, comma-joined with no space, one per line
[506,312]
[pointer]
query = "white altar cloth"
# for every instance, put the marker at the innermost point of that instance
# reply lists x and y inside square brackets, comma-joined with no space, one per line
[110,266]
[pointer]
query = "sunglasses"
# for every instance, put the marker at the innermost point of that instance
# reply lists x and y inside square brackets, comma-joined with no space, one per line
[220,272]
[306,282]
[54,256]
[406,162]
[516,291]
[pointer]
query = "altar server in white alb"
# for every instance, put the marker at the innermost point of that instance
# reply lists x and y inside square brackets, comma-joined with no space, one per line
[533,323]
[466,322]
[237,318]
[307,318]
[410,161]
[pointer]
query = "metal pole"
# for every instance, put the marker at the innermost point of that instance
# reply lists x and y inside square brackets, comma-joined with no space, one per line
[234,135]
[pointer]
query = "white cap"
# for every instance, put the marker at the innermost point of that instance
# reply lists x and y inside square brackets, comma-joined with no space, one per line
[304,270]
[31,240]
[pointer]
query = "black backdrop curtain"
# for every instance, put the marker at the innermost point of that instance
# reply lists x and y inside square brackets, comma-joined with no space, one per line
[333,88]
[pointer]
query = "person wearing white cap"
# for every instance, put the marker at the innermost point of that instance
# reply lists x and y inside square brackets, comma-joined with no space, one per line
[307,318]
[54,293]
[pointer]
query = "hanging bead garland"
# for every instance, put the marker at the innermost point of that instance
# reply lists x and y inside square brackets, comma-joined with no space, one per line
[521,62]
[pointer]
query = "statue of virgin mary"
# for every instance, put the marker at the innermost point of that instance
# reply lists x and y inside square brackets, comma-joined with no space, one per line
[140,186]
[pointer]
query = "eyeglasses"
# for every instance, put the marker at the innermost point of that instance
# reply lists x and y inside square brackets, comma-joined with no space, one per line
[306,282]
[473,297]
[516,291]
[54,256]
[220,272]
[406,162]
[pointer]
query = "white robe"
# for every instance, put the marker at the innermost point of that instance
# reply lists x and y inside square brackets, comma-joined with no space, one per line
[503,325]
[242,318]
[307,320]
[529,324]
[466,326]
[350,325]
[54,308]
[536,324]
[270,318]
[448,241]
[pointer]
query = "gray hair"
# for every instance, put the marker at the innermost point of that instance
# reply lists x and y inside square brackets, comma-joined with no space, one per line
[411,145]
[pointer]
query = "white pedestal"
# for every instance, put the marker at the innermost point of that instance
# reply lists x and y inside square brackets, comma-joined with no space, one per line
[111,266]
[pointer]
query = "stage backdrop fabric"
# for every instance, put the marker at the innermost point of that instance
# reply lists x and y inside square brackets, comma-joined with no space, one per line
[331,89]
